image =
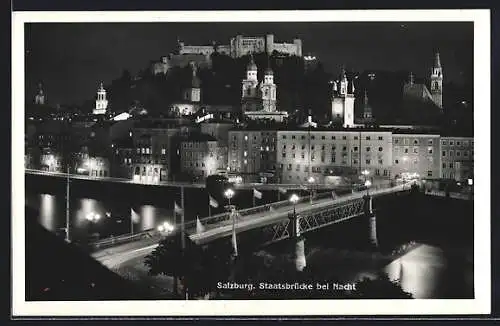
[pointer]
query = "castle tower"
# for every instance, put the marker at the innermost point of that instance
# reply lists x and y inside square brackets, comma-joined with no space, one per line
[193,92]
[268,91]
[437,81]
[101,103]
[40,95]
[249,91]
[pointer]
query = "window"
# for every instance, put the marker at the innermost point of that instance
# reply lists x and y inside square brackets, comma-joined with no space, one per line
[245,162]
[415,162]
[293,155]
[406,141]
[355,137]
[246,137]
[451,165]
[163,151]
[283,155]
[451,153]
[312,147]
[444,153]
[302,155]
[466,153]
[284,137]
[444,165]
[368,149]
[406,150]
[289,167]
[333,137]
[344,137]
[306,168]
[323,137]
[385,173]
[284,147]
[451,142]
[429,173]
[355,149]
[344,148]
[380,138]
[368,162]
[293,146]
[297,168]
[312,156]
[312,137]
[368,138]
[333,158]
[381,162]
[380,149]
[444,142]
[458,143]
[377,172]
[458,153]
[293,136]
[245,154]
[429,142]
[396,141]
[333,147]
[322,147]
[415,150]
[303,146]
[396,161]
[138,150]
[415,142]
[354,161]
[302,137]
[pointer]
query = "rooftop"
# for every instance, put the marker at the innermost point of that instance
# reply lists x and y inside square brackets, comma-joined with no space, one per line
[199,137]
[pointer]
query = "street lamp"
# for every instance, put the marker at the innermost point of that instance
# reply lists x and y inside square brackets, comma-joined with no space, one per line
[311,181]
[294,199]
[93,217]
[165,227]
[229,193]
[368,183]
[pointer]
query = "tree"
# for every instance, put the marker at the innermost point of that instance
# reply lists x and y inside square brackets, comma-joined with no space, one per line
[198,268]
[380,288]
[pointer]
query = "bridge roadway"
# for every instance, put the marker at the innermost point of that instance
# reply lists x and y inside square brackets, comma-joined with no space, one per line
[243,186]
[119,255]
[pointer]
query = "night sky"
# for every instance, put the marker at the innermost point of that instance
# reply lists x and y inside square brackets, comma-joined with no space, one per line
[72,58]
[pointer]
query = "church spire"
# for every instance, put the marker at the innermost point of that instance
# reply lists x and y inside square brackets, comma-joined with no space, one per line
[437,60]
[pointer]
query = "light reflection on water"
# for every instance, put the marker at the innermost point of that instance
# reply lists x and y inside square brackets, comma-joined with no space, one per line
[419,271]
[52,214]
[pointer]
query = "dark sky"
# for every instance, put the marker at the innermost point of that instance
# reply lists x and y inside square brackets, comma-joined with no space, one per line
[72,58]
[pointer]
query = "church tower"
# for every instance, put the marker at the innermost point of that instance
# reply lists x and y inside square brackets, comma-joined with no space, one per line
[367,110]
[437,82]
[268,91]
[249,91]
[101,103]
[343,101]
[40,95]
[193,92]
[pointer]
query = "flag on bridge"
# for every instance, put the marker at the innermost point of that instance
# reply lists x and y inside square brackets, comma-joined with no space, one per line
[199,227]
[257,194]
[134,216]
[282,190]
[177,208]
[213,202]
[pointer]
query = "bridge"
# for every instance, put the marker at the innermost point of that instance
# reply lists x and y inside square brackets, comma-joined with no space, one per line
[267,223]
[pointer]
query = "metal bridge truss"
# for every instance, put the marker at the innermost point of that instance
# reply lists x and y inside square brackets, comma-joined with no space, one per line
[313,219]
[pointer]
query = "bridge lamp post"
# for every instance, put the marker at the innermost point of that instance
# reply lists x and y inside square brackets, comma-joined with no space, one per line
[368,183]
[311,182]
[294,199]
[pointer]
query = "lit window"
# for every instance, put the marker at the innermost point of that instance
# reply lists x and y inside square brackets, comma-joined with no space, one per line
[245,161]
[246,137]
[245,153]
